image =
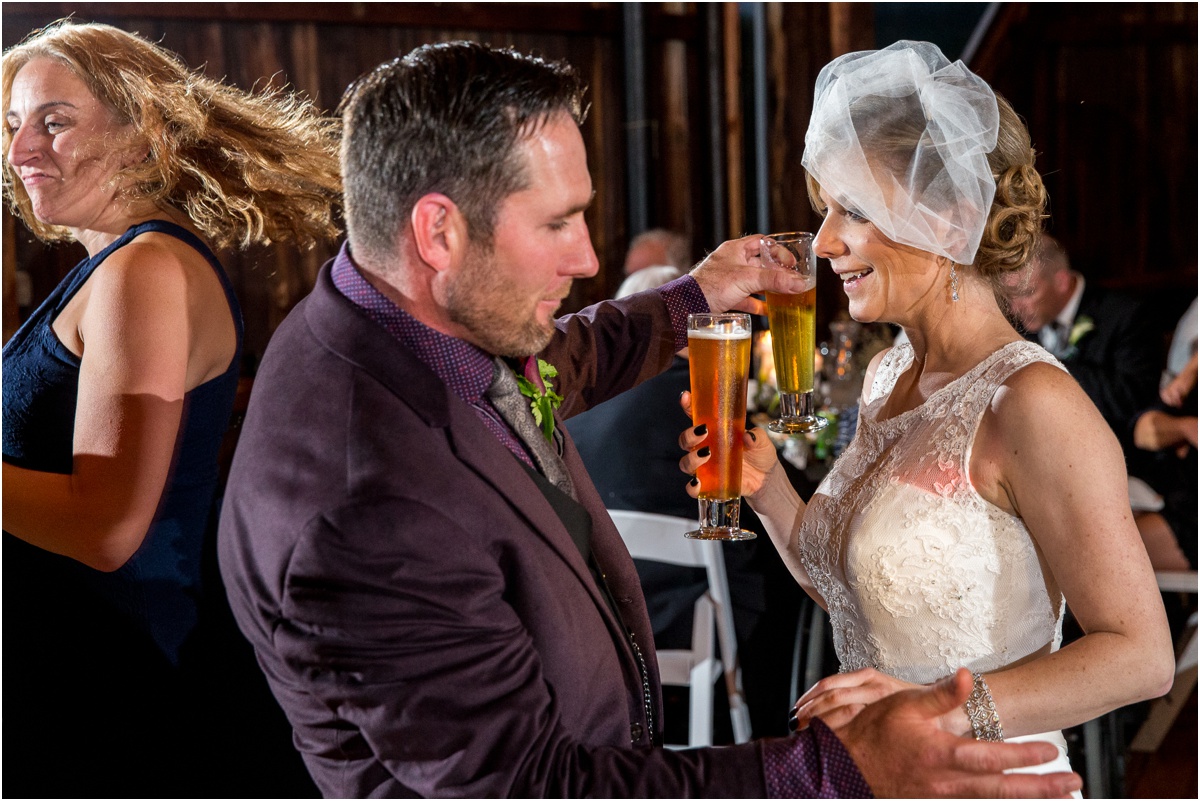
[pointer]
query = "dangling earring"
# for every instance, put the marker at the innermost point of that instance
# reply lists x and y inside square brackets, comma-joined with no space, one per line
[953,283]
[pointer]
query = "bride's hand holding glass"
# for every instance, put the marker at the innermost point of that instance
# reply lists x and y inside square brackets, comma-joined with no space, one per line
[759,456]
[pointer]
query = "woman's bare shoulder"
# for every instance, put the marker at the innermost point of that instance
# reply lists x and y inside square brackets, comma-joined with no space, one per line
[154,277]
[1041,390]
[1040,419]
[155,267]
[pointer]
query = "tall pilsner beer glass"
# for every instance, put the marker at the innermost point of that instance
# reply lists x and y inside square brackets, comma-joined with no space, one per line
[793,333]
[719,356]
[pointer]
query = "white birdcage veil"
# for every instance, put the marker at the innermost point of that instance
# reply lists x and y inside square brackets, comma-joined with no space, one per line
[901,136]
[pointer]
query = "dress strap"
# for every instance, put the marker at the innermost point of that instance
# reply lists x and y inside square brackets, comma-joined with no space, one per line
[79,275]
[988,376]
[893,363]
[998,367]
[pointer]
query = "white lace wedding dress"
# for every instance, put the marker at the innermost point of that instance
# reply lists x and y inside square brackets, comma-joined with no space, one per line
[919,573]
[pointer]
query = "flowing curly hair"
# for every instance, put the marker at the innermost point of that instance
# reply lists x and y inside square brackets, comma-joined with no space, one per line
[245,167]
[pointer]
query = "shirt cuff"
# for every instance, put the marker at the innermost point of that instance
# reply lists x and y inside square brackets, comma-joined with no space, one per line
[683,297]
[811,764]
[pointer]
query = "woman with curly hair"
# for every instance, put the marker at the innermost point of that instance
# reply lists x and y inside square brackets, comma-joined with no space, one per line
[118,389]
[982,491]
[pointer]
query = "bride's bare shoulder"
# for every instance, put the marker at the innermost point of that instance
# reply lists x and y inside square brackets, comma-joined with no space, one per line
[1040,416]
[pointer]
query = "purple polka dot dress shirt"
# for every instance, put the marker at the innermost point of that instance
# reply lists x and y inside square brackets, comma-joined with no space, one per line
[465,369]
[811,764]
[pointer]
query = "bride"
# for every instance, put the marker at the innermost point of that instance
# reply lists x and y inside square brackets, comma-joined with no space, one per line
[983,492]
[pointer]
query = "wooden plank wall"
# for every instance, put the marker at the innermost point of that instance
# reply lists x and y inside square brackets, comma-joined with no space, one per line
[1109,92]
[321,48]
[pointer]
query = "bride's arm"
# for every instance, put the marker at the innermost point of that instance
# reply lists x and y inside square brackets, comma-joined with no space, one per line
[781,511]
[780,507]
[1045,453]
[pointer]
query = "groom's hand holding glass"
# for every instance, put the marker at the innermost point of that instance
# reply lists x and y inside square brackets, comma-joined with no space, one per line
[732,274]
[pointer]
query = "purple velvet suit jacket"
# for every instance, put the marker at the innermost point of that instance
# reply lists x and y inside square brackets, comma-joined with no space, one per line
[420,611]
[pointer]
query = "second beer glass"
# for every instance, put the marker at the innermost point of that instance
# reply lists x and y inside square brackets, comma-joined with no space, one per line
[792,320]
[719,357]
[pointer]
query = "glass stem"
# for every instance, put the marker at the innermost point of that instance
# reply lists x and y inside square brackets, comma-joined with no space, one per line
[796,404]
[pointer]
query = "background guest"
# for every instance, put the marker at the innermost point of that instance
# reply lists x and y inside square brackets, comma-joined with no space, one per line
[658,247]
[1105,338]
[1179,377]
[118,389]
[1165,433]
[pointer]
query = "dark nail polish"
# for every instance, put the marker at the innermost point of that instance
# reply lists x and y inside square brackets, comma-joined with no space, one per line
[700,430]
[793,724]
[695,482]
[753,436]
[704,452]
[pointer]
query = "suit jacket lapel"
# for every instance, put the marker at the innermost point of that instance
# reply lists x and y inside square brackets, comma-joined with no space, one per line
[615,562]
[346,331]
[1098,336]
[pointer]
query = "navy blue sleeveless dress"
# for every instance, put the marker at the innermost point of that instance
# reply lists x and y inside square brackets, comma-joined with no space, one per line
[92,659]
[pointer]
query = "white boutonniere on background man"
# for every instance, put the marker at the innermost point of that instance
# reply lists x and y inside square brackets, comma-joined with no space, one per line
[1082,327]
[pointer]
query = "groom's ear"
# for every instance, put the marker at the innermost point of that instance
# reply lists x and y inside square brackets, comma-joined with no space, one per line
[439,231]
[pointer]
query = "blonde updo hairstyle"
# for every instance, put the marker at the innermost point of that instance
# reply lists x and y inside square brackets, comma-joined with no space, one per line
[1014,222]
[244,167]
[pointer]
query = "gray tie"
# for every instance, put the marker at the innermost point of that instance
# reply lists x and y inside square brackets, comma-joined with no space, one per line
[507,399]
[1057,339]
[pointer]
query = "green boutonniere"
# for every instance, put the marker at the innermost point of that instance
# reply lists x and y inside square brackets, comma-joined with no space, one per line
[535,384]
[1082,326]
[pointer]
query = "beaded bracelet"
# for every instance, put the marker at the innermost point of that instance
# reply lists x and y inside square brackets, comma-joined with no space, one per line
[981,711]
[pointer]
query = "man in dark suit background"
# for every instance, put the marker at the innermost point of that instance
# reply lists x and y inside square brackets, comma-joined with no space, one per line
[1105,339]
[428,577]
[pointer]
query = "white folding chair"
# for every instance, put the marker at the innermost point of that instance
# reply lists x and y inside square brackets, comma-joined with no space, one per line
[659,538]
[1164,711]
[811,623]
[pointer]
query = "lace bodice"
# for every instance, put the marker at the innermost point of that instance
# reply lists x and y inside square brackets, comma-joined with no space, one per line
[920,574]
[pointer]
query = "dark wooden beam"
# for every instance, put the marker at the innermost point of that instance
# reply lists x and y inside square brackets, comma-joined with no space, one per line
[662,24]
[1106,32]
[584,19]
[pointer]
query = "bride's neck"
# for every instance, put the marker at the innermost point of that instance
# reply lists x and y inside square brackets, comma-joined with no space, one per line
[958,335]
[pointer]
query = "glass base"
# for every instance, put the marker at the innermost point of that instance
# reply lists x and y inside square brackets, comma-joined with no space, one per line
[797,415]
[719,521]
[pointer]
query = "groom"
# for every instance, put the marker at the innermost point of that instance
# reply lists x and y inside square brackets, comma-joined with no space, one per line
[429,579]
